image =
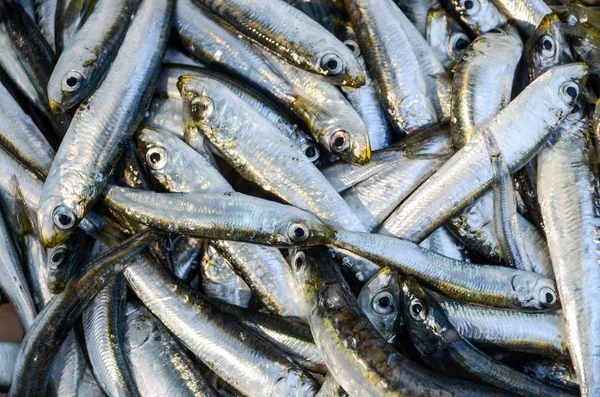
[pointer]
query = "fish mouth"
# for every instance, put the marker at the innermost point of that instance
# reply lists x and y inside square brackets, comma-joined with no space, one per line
[56,107]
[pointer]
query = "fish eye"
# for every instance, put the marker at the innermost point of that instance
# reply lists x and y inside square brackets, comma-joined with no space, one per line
[63,217]
[202,106]
[72,81]
[332,63]
[58,256]
[458,43]
[156,157]
[339,141]
[298,232]
[417,310]
[382,303]
[497,30]
[569,91]
[547,46]
[311,151]
[470,7]
[299,260]
[547,297]
[353,46]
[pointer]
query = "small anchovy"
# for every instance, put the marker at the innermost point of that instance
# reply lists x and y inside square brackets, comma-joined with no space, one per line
[84,60]
[58,317]
[93,142]
[486,284]
[468,174]
[223,344]
[442,347]
[479,15]
[447,38]
[300,40]
[526,14]
[279,167]
[159,364]
[568,194]
[547,47]
[350,343]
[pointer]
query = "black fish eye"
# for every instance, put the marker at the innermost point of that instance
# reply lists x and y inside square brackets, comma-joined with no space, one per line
[298,232]
[382,303]
[339,141]
[58,257]
[547,297]
[461,44]
[310,152]
[63,217]
[417,310]
[569,91]
[547,44]
[468,4]
[332,63]
[299,260]
[72,81]
[156,157]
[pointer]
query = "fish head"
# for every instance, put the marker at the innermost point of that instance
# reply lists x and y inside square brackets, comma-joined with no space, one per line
[562,86]
[57,220]
[426,323]
[162,157]
[338,129]
[69,83]
[296,227]
[342,66]
[379,301]
[479,15]
[534,290]
[446,37]
[547,47]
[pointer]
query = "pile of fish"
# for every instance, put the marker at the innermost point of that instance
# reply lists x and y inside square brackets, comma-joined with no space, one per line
[300,197]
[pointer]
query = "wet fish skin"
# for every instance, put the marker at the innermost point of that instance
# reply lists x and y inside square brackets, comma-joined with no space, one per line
[568,196]
[366,101]
[8,354]
[219,281]
[215,337]
[290,334]
[12,279]
[278,167]
[526,14]
[57,318]
[394,58]
[300,40]
[467,175]
[547,47]
[45,17]
[417,11]
[70,375]
[330,388]
[482,83]
[379,300]
[359,358]
[439,343]
[479,15]
[70,15]
[96,137]
[320,105]
[558,373]
[159,363]
[21,137]
[183,170]
[489,285]
[442,242]
[104,327]
[36,59]
[286,122]
[85,59]
[419,156]
[233,216]
[447,38]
